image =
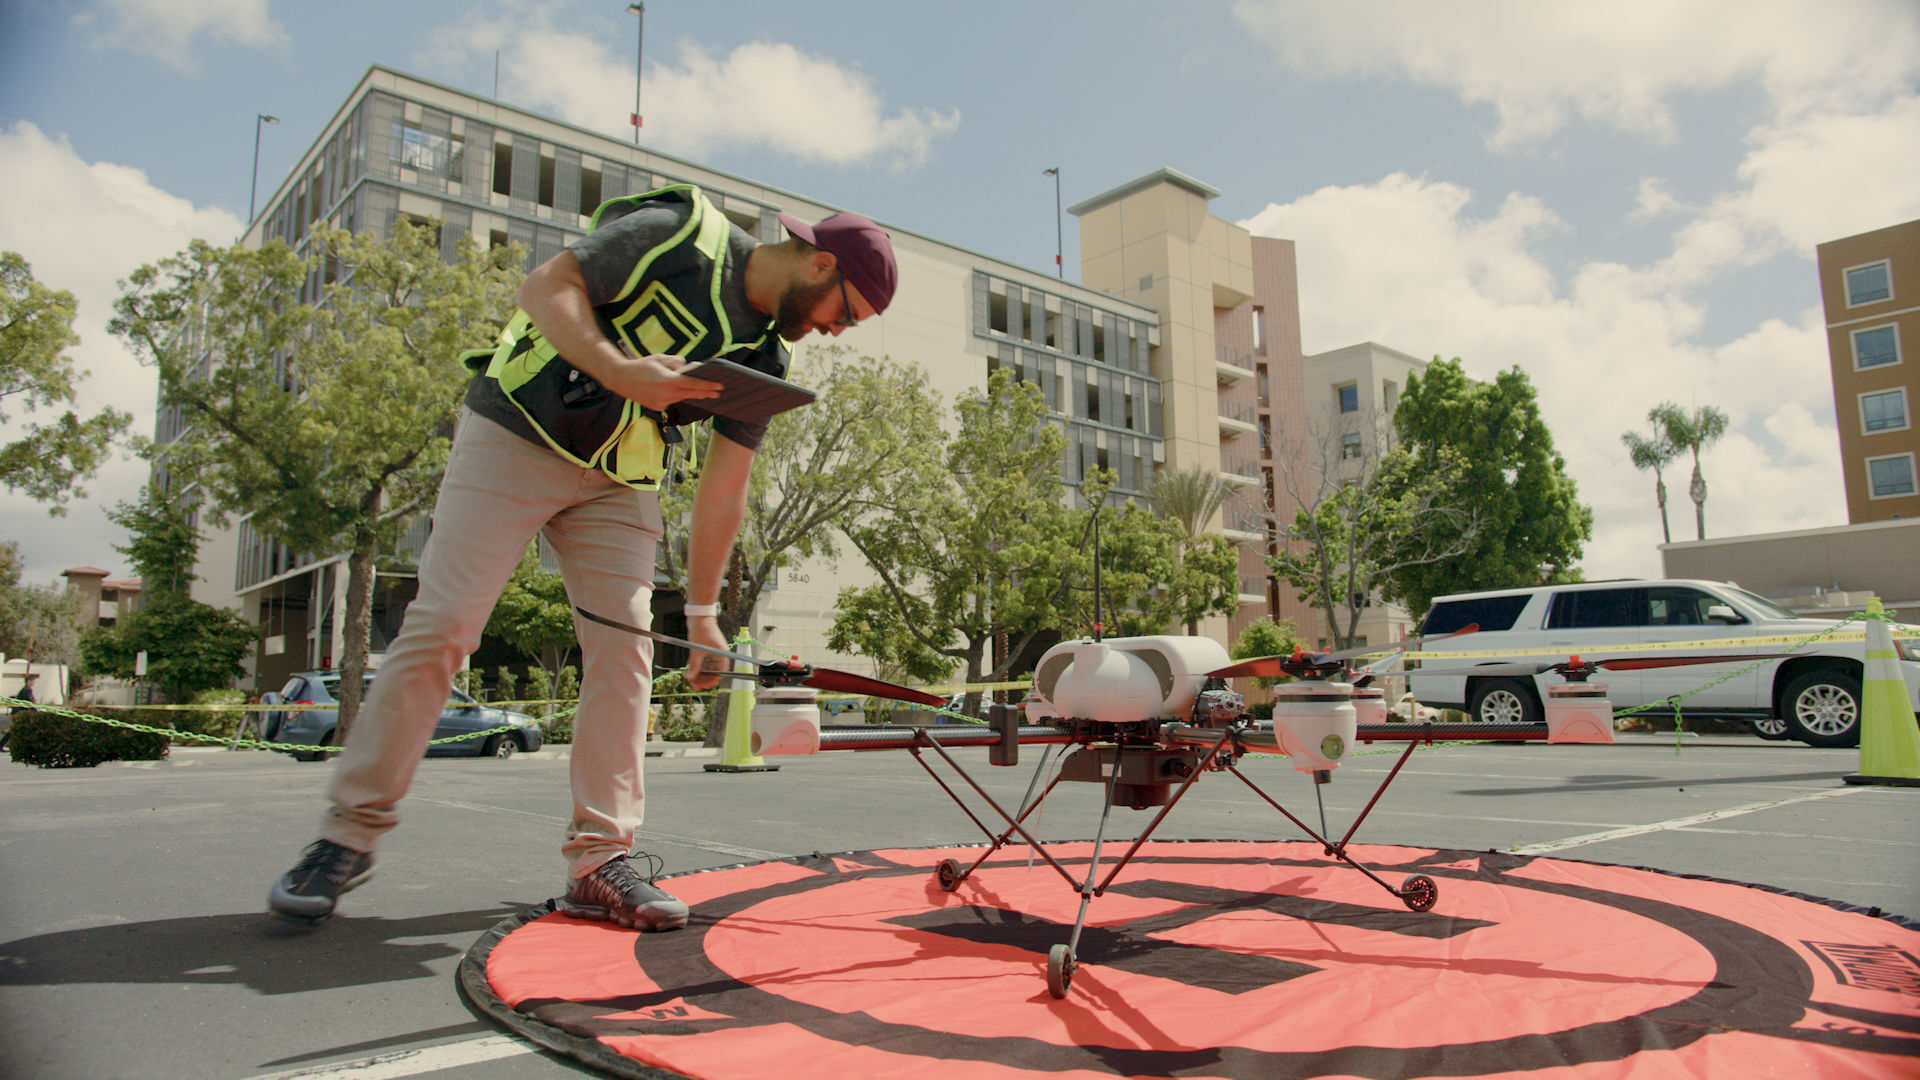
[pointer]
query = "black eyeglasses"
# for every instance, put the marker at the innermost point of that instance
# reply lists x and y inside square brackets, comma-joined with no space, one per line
[846,306]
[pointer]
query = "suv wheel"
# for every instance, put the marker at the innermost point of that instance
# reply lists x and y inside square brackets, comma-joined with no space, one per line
[1771,728]
[1822,708]
[1504,701]
[501,746]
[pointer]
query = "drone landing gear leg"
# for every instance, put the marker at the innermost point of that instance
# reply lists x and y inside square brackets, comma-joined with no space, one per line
[1418,892]
[948,873]
[1060,958]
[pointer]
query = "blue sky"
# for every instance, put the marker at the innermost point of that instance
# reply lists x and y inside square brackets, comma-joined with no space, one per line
[1622,199]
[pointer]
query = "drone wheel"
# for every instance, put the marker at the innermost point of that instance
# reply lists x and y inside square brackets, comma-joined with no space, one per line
[948,874]
[1060,965]
[1419,893]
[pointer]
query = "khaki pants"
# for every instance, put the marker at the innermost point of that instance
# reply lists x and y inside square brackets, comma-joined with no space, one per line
[499,491]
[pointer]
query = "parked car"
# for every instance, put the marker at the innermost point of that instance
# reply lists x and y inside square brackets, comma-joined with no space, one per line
[1812,695]
[315,727]
[1411,711]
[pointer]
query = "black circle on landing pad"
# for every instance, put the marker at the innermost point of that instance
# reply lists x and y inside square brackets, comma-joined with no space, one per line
[1212,959]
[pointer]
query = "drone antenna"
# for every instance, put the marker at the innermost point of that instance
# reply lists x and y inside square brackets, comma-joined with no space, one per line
[1097,625]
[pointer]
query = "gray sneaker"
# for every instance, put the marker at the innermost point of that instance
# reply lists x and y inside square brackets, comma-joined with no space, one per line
[306,894]
[615,892]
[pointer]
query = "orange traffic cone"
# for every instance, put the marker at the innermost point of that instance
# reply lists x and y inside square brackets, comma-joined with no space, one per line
[1889,739]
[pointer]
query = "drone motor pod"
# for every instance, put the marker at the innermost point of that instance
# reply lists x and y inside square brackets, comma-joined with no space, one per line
[786,720]
[1370,704]
[1579,712]
[1315,723]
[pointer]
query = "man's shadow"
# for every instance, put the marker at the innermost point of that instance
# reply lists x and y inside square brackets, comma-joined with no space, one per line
[254,950]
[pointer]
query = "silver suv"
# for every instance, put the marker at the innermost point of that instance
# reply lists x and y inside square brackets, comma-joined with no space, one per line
[1812,695]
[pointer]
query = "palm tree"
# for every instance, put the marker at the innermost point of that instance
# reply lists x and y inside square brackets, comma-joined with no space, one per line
[1188,498]
[1653,453]
[1693,430]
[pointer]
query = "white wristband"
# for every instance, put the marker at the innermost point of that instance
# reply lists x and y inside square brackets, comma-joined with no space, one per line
[692,610]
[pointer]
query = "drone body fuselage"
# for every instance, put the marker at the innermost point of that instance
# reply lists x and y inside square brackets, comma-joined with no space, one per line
[1126,680]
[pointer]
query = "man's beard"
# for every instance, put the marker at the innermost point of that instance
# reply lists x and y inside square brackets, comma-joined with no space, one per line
[794,316]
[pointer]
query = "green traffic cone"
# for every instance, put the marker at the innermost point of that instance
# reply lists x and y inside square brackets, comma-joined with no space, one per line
[1889,739]
[736,754]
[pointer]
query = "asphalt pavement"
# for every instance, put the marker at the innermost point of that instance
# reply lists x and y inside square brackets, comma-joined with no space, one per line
[134,943]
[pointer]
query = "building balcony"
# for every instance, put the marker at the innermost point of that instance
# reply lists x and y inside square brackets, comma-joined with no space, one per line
[1232,365]
[1236,418]
[1239,470]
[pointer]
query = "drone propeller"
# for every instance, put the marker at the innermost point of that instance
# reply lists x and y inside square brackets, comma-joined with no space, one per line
[1305,665]
[789,672]
[1578,670]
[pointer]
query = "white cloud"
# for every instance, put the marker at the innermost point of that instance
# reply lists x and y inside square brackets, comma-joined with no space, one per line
[1401,262]
[763,95]
[84,226]
[1618,64]
[1805,180]
[1653,200]
[167,28]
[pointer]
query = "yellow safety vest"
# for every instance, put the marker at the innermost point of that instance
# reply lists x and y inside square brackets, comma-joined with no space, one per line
[670,305]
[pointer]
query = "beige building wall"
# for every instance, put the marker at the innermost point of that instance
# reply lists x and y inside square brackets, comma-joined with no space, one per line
[1875,397]
[1229,346]
[1819,572]
[1347,439]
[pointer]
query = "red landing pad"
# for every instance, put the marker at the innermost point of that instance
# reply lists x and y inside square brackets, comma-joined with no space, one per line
[1214,959]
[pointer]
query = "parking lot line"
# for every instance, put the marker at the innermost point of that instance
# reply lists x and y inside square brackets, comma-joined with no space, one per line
[403,1063]
[1675,823]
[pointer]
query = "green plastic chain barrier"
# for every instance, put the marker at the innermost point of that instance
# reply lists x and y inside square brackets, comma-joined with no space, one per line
[1673,703]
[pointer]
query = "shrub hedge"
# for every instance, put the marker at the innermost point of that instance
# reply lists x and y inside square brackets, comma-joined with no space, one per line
[52,741]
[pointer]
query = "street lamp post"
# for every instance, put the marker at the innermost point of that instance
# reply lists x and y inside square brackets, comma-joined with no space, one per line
[1059,229]
[253,188]
[639,47]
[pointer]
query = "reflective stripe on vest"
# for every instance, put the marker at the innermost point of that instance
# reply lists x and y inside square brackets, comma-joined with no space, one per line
[669,305]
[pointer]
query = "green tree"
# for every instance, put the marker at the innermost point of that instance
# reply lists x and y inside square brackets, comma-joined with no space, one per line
[328,422]
[47,461]
[534,615]
[37,622]
[866,439]
[191,647]
[1392,516]
[1204,579]
[1266,637]
[1136,553]
[1692,431]
[1530,523]
[978,548]
[1654,453]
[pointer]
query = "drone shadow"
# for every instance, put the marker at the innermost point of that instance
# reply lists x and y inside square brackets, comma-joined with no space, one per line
[252,950]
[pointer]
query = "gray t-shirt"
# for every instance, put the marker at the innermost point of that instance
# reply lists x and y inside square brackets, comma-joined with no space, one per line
[606,257]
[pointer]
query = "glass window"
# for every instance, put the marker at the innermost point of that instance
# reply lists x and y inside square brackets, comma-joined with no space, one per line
[1669,605]
[1598,608]
[1259,329]
[1348,396]
[1350,446]
[1868,284]
[1884,411]
[1891,476]
[1486,612]
[1875,347]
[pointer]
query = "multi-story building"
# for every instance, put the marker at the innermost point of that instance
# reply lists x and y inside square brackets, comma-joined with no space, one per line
[1870,288]
[102,602]
[1350,396]
[1228,358]
[1150,363]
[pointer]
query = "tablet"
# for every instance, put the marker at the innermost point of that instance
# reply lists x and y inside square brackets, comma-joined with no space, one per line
[750,394]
